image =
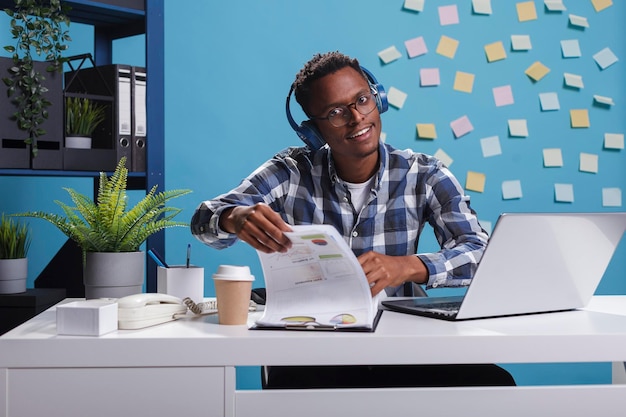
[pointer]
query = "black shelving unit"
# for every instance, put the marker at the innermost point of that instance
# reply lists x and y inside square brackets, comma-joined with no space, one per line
[116,19]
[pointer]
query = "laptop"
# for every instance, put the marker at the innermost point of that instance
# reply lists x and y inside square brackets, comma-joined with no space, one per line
[533,263]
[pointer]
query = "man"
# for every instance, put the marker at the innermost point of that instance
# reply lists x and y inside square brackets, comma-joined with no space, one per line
[379,198]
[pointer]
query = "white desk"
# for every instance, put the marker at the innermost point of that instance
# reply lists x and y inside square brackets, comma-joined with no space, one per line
[187,367]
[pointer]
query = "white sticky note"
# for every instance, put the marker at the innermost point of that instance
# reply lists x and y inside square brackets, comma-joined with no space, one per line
[383,137]
[396,98]
[570,48]
[564,193]
[552,157]
[461,126]
[573,80]
[443,157]
[611,197]
[518,128]
[578,21]
[481,6]
[429,77]
[490,146]
[511,189]
[606,101]
[415,5]
[605,58]
[614,141]
[521,43]
[389,55]
[549,101]
[555,5]
[588,162]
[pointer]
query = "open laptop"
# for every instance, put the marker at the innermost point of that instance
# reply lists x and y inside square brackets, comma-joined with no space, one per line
[533,263]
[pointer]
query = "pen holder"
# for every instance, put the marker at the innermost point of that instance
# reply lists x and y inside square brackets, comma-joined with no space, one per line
[181,282]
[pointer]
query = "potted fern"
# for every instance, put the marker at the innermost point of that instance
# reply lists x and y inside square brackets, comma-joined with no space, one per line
[14,245]
[82,117]
[110,234]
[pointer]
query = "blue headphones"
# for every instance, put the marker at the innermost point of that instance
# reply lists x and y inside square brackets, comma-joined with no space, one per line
[307,131]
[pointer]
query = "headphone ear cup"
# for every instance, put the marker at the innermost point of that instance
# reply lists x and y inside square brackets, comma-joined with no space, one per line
[309,134]
[381,98]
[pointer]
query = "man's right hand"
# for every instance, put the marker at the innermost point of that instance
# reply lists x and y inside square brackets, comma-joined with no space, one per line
[257,225]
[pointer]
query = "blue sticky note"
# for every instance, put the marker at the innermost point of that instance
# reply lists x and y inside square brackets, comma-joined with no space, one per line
[570,48]
[511,189]
[549,101]
[564,193]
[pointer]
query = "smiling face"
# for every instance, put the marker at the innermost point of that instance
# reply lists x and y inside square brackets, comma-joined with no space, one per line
[355,145]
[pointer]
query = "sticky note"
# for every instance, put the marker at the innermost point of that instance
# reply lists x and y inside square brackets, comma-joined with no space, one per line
[481,6]
[429,77]
[464,82]
[461,126]
[573,80]
[447,46]
[600,5]
[588,163]
[578,21]
[611,197]
[564,193]
[579,118]
[511,189]
[443,157]
[486,225]
[389,55]
[415,47]
[570,48]
[490,146]
[396,98]
[503,96]
[414,5]
[495,51]
[605,58]
[383,137]
[605,101]
[448,15]
[552,157]
[526,11]
[521,43]
[549,101]
[426,131]
[518,128]
[537,71]
[475,181]
[554,5]
[614,141]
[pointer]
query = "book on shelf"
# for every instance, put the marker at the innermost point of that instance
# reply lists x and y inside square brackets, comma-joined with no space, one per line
[318,284]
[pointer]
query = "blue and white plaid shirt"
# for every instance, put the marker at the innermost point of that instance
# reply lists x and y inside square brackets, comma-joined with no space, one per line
[410,189]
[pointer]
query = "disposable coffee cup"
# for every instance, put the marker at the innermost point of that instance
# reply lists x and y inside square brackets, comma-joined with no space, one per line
[233,285]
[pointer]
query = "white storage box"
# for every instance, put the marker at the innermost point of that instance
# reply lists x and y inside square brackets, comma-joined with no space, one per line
[87,317]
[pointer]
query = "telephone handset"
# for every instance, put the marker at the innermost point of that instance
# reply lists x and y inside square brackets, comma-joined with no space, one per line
[148,309]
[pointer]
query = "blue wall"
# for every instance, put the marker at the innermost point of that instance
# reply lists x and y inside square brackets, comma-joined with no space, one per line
[229,67]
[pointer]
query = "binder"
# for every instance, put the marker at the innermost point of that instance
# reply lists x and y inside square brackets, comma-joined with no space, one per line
[139,120]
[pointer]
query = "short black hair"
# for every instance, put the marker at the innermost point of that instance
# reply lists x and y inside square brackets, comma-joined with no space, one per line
[317,67]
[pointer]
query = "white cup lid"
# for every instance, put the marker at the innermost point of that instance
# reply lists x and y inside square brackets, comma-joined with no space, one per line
[233,273]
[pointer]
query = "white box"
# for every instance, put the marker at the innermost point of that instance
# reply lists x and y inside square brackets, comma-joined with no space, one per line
[181,282]
[87,317]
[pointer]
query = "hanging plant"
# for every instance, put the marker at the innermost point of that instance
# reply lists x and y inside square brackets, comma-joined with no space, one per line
[37,27]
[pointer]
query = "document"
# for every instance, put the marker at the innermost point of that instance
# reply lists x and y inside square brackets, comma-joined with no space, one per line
[317,285]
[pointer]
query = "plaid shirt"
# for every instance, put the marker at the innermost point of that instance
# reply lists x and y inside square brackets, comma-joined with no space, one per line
[410,190]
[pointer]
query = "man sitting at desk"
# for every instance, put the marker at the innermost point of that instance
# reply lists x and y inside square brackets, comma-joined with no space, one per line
[378,197]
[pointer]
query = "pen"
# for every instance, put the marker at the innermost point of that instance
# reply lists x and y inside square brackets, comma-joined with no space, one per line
[188,253]
[157,258]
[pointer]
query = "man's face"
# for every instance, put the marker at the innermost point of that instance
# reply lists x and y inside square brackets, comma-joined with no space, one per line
[359,137]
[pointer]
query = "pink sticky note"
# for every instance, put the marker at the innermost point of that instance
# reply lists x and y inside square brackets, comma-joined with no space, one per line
[429,77]
[448,15]
[461,126]
[416,47]
[503,96]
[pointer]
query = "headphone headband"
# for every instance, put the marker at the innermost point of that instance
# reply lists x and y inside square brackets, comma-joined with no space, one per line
[308,133]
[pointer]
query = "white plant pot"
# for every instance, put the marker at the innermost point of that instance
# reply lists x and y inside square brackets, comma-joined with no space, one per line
[13,274]
[113,274]
[78,142]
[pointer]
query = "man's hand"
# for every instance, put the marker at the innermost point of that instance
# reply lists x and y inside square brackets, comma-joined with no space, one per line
[257,225]
[385,271]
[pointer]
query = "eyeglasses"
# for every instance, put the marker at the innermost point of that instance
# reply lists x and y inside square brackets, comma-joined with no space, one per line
[341,115]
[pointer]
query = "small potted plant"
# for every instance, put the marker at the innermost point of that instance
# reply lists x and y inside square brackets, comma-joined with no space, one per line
[110,234]
[14,245]
[82,117]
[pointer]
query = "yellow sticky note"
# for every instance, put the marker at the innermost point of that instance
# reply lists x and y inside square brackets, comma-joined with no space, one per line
[526,11]
[426,131]
[579,117]
[600,5]
[537,71]
[447,47]
[495,51]
[464,82]
[475,181]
